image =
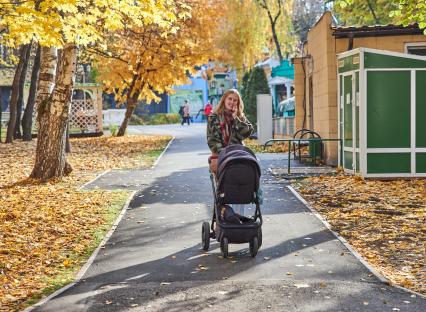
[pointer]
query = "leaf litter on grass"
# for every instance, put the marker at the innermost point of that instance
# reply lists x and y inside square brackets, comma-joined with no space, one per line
[383,220]
[48,229]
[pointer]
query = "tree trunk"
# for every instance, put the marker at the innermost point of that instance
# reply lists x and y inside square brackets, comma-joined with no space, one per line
[46,77]
[67,139]
[273,21]
[17,133]
[27,119]
[131,105]
[1,111]
[15,94]
[277,43]
[52,118]
[370,7]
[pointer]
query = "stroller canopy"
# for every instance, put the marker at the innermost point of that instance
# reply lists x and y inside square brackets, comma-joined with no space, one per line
[236,153]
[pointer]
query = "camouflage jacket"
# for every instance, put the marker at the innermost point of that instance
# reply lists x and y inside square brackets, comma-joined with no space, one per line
[240,129]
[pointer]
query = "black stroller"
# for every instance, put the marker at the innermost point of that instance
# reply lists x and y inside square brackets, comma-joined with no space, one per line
[237,182]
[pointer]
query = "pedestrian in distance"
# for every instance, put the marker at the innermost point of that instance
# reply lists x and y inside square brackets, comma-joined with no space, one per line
[208,109]
[226,125]
[185,113]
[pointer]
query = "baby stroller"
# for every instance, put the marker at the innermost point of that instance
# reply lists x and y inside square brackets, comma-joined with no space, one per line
[237,182]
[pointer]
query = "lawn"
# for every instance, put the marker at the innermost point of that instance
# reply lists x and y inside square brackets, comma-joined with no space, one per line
[383,220]
[47,231]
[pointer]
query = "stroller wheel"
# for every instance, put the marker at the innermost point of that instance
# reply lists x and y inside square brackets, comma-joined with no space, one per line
[224,247]
[254,247]
[205,235]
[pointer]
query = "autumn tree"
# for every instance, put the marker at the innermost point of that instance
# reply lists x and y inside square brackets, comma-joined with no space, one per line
[410,11]
[304,16]
[143,61]
[66,25]
[364,12]
[273,16]
[27,119]
[17,90]
[247,33]
[243,36]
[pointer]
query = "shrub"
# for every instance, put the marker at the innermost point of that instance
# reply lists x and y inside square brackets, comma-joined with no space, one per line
[113,129]
[136,120]
[155,119]
[256,83]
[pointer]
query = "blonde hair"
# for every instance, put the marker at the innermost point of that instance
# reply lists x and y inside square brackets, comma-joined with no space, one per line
[220,108]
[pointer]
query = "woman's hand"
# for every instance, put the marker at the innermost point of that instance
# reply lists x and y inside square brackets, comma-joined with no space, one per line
[234,111]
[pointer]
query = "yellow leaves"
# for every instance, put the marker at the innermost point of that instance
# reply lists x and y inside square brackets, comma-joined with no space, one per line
[66,263]
[83,22]
[382,220]
[45,227]
[155,57]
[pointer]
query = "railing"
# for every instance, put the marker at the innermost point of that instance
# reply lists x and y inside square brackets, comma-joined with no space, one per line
[283,127]
[315,140]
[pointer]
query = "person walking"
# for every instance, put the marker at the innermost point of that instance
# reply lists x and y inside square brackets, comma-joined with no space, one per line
[227,125]
[208,109]
[186,112]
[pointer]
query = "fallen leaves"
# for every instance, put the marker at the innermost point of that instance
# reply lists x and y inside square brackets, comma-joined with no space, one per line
[48,230]
[383,220]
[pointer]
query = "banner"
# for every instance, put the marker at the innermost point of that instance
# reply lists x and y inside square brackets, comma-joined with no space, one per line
[194,98]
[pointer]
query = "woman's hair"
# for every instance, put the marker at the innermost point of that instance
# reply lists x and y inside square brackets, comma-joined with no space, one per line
[220,108]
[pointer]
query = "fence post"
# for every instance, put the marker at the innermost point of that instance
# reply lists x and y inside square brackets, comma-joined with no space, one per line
[289,155]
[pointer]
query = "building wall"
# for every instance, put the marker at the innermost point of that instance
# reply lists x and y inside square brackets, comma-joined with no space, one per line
[322,48]
[299,92]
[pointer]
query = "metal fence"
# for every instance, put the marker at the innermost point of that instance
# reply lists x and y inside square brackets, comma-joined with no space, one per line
[283,127]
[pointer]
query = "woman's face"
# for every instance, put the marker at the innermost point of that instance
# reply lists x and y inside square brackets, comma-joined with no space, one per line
[231,102]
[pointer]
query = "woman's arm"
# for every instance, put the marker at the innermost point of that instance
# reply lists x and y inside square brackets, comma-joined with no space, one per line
[242,127]
[214,136]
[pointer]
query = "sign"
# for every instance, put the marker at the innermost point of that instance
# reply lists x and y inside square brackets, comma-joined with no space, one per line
[194,98]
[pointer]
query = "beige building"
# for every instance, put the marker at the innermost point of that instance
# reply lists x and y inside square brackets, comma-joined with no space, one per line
[316,70]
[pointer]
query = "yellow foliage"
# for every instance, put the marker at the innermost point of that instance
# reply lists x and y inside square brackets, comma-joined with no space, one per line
[46,229]
[383,220]
[81,22]
[150,59]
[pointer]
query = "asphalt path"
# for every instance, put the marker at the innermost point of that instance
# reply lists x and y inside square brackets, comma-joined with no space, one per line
[154,260]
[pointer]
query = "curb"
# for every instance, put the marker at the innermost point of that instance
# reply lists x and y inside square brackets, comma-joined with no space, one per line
[163,152]
[109,170]
[89,262]
[94,179]
[340,238]
[349,247]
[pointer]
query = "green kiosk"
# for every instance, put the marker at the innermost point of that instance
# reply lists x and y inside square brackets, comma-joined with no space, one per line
[382,113]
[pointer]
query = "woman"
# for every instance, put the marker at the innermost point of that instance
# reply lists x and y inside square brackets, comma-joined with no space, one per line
[227,125]
[185,111]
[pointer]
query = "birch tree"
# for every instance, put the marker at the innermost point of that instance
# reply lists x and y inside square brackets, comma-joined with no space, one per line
[66,25]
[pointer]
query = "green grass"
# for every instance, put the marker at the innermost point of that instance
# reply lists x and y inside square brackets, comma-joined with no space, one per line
[3,133]
[150,157]
[67,275]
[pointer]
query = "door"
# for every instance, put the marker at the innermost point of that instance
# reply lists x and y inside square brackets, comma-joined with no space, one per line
[349,117]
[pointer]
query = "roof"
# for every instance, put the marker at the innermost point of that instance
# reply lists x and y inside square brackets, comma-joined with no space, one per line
[271,62]
[376,30]
[285,69]
[279,81]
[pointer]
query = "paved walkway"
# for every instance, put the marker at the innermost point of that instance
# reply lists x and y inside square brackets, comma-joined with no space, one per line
[154,261]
